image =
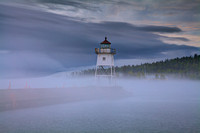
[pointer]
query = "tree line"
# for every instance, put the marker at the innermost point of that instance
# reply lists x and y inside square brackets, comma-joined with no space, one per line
[185,67]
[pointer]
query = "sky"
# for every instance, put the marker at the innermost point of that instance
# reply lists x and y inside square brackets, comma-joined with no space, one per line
[42,37]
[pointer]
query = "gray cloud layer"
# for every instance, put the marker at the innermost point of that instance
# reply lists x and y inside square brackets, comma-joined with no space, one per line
[40,43]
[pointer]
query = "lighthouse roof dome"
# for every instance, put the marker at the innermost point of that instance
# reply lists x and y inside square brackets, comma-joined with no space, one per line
[105,41]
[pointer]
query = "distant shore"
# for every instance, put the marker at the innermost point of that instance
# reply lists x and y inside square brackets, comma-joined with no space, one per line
[177,68]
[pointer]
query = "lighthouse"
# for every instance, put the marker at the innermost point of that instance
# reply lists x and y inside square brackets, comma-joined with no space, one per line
[105,60]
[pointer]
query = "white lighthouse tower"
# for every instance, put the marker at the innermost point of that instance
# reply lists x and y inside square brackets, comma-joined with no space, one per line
[105,60]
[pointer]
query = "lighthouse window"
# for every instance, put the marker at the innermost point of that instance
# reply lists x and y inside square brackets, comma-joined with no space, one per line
[104,58]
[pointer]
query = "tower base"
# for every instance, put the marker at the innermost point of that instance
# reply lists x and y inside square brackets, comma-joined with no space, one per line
[105,71]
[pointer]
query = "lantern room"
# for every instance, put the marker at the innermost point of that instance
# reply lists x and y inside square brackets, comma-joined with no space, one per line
[105,48]
[105,44]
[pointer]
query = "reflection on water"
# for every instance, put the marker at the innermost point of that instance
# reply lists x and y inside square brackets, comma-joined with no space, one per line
[164,106]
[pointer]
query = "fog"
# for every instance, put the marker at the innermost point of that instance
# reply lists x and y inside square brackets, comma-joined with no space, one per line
[83,104]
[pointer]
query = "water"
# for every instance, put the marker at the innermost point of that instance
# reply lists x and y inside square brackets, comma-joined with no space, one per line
[155,106]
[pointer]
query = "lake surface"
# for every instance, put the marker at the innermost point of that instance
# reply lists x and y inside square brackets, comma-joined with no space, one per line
[154,107]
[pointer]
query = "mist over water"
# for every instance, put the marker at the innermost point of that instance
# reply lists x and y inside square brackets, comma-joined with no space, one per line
[153,106]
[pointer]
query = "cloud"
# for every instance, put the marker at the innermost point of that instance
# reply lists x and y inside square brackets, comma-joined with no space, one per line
[174,40]
[182,39]
[73,3]
[127,26]
[25,64]
[43,43]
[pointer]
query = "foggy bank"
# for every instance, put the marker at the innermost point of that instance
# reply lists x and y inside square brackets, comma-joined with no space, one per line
[11,99]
